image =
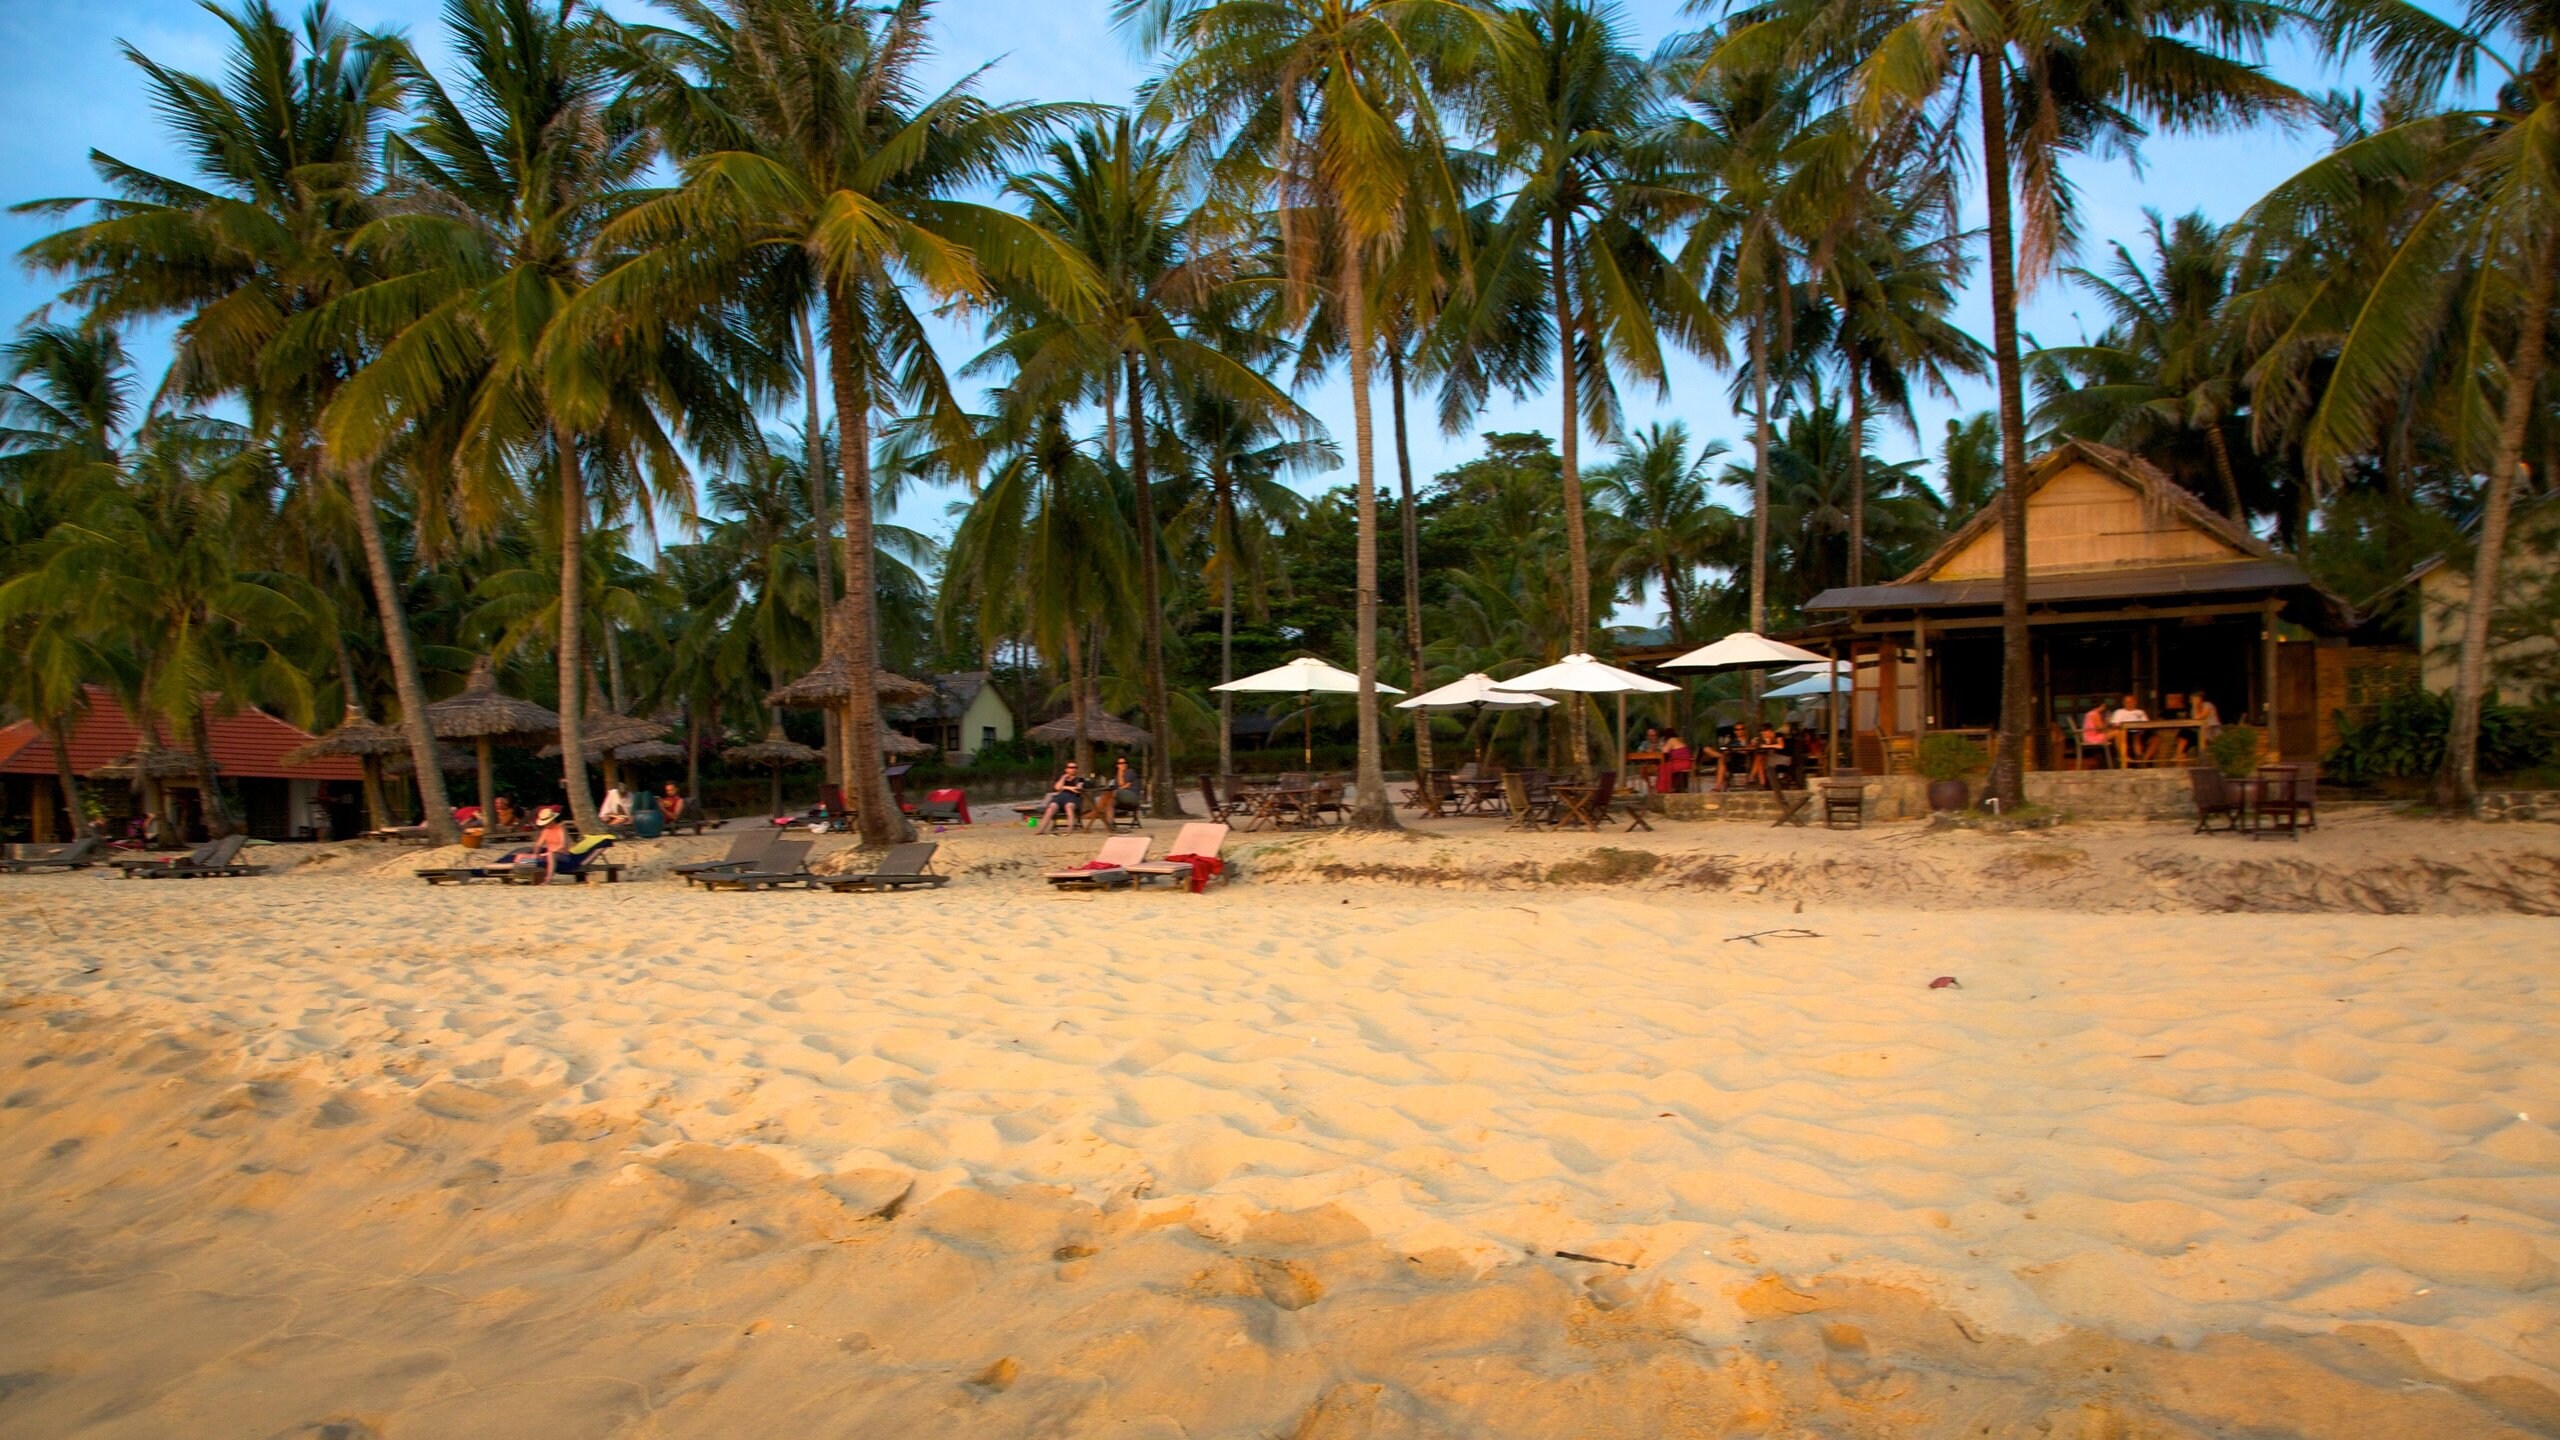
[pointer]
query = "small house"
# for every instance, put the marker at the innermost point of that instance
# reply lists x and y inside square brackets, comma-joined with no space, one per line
[963,716]
[2133,587]
[2524,654]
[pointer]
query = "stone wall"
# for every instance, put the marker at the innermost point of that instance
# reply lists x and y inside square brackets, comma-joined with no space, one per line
[2502,805]
[2081,794]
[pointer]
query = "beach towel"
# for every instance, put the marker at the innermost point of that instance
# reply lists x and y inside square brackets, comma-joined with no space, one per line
[1204,868]
[1094,865]
[956,797]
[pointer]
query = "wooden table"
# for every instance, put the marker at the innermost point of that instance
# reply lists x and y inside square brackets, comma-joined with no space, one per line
[2124,746]
[1275,805]
[1481,797]
[1646,764]
[1576,800]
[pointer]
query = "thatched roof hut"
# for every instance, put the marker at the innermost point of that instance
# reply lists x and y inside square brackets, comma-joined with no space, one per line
[831,685]
[1100,729]
[484,712]
[356,736]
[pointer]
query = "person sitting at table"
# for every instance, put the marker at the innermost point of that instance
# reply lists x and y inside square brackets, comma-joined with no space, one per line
[2208,719]
[1768,757]
[2173,706]
[1065,801]
[2096,734]
[2129,711]
[1677,761]
[1637,763]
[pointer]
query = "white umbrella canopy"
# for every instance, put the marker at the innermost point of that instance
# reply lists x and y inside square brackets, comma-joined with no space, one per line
[1809,686]
[1582,675]
[1823,669]
[1743,650]
[1471,692]
[1305,675]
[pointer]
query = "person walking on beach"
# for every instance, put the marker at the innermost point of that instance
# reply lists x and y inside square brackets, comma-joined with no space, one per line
[1066,800]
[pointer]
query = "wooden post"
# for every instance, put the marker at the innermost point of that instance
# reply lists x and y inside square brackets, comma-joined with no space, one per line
[1831,750]
[2267,678]
[1920,657]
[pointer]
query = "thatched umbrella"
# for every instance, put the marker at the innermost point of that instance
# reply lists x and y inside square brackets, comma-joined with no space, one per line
[894,743]
[150,765]
[647,752]
[773,752]
[451,759]
[482,714]
[1100,729]
[368,743]
[830,687]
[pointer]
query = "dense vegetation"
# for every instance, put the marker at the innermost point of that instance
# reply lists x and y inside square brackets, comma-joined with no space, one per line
[636,317]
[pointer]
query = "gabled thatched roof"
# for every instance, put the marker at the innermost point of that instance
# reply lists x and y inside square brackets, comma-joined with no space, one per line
[482,710]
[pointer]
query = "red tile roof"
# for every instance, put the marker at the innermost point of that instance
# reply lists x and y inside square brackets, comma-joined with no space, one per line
[248,746]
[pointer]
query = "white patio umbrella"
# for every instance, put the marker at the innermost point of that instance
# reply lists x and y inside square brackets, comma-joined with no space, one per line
[1744,650]
[1583,675]
[1305,677]
[1475,693]
[1805,688]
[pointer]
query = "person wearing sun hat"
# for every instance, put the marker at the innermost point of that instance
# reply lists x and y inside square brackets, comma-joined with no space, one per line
[550,843]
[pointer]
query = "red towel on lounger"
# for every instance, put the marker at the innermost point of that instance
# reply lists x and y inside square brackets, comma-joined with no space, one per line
[1094,865]
[1204,868]
[961,796]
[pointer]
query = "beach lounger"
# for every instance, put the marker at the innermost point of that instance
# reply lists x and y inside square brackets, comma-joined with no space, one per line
[578,863]
[905,867]
[78,855]
[944,807]
[1108,868]
[219,860]
[786,866]
[746,853]
[1192,844]
[460,874]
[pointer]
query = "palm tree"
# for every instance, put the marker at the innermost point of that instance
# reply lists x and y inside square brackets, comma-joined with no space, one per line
[1115,199]
[500,198]
[2043,80]
[1892,290]
[283,149]
[2167,366]
[818,171]
[1327,108]
[1577,120]
[2477,258]
[1660,493]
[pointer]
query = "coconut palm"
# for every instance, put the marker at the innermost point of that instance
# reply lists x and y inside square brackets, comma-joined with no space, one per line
[1659,491]
[1327,109]
[2167,366]
[283,151]
[2041,81]
[822,177]
[1578,121]
[1115,199]
[2475,258]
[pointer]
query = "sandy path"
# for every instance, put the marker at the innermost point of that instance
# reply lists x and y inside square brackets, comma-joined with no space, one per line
[2177,1126]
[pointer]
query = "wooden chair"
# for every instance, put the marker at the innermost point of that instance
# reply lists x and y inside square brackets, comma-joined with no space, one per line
[1217,809]
[2279,806]
[2215,800]
[1844,792]
[1527,811]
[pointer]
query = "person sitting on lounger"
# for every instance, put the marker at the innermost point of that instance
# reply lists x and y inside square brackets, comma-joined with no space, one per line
[1066,800]
[616,809]
[671,803]
[550,842]
[1123,791]
[509,817]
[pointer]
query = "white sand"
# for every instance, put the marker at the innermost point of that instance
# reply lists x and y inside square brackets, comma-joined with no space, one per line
[2157,1128]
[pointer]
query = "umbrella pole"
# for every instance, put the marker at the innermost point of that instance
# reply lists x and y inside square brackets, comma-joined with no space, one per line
[773,773]
[1307,756]
[488,784]
[1620,760]
[1832,647]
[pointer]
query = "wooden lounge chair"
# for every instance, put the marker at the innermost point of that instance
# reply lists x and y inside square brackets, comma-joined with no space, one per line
[1204,839]
[1109,866]
[747,852]
[1844,793]
[460,874]
[940,810]
[1218,809]
[219,860]
[905,867]
[80,854]
[577,863]
[696,818]
[2215,800]
[786,867]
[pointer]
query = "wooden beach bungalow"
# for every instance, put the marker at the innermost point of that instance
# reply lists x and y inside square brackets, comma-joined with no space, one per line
[2133,587]
[280,798]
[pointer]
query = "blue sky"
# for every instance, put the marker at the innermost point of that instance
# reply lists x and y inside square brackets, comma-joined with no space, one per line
[65,88]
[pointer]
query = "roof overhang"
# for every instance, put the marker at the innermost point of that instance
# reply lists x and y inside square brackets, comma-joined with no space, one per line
[2150,582]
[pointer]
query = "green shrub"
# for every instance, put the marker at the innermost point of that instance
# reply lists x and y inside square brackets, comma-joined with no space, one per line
[2405,740]
[2234,752]
[1945,756]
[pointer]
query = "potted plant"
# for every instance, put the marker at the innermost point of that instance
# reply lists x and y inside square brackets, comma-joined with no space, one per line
[1947,759]
[2234,752]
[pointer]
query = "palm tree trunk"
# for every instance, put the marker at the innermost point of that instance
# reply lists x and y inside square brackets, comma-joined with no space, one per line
[1162,798]
[1226,523]
[1370,811]
[405,682]
[2460,784]
[64,779]
[1857,480]
[692,754]
[2223,472]
[573,655]
[218,820]
[377,812]
[1577,600]
[1412,551]
[822,524]
[875,811]
[618,694]
[1083,749]
[1759,504]
[2017,695]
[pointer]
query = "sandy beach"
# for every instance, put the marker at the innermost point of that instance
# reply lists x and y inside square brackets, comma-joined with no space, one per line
[1455,1134]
